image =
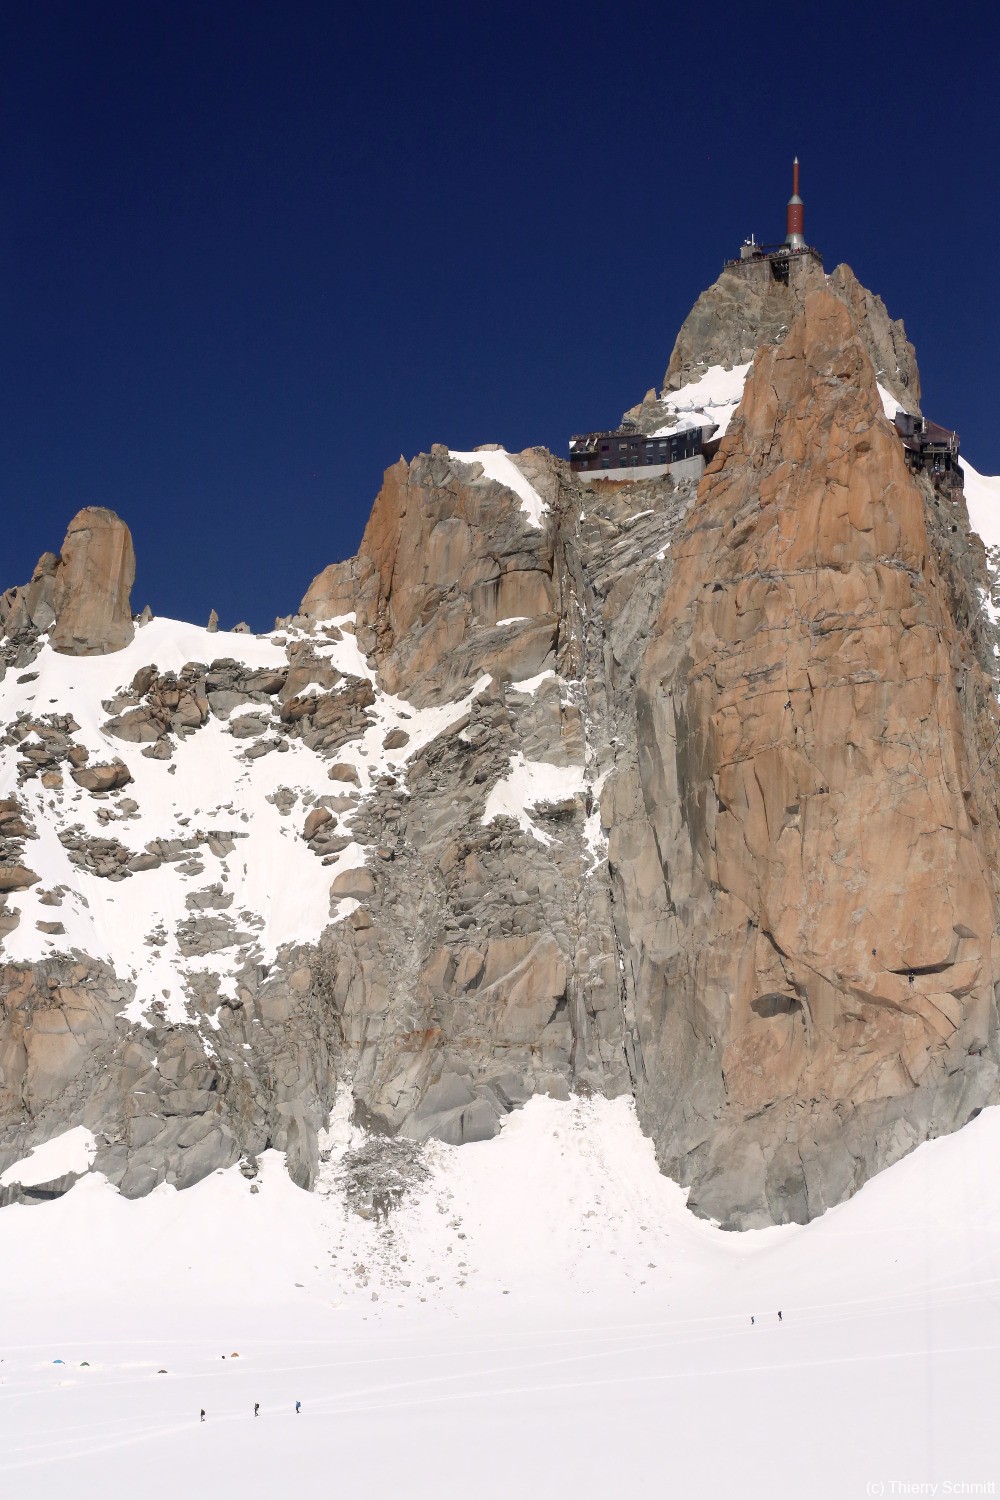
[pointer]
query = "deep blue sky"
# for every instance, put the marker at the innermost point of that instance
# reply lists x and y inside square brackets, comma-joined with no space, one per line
[252,252]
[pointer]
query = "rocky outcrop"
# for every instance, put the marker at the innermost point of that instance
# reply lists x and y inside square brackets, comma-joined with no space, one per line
[804,873]
[332,593]
[890,351]
[505,984]
[82,597]
[159,705]
[93,585]
[450,581]
[106,778]
[161,1106]
[33,607]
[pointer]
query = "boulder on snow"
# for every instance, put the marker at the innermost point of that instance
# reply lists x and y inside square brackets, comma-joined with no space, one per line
[107,778]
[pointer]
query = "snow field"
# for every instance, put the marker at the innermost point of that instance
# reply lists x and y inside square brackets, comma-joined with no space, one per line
[982,496]
[527,784]
[600,1345]
[73,1151]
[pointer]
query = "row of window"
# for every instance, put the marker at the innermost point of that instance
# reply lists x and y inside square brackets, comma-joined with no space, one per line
[661,444]
[675,447]
[633,461]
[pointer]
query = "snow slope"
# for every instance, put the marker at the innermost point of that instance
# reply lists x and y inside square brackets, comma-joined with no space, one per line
[982,496]
[529,783]
[73,1151]
[280,889]
[711,399]
[549,1320]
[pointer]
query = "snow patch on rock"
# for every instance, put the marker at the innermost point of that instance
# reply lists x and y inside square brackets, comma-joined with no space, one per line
[530,784]
[71,1152]
[501,466]
[712,399]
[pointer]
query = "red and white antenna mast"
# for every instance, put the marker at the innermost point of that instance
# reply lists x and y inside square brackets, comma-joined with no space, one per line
[795,214]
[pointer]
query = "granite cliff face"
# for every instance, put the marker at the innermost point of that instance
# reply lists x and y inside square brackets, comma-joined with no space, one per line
[666,789]
[819,968]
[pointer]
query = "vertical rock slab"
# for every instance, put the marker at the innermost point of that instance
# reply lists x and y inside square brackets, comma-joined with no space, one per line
[805,883]
[93,585]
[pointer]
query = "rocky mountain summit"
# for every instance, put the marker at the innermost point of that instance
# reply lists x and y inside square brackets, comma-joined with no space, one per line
[747,307]
[673,788]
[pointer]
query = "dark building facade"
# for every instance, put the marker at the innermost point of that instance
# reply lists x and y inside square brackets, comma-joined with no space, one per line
[931,449]
[625,448]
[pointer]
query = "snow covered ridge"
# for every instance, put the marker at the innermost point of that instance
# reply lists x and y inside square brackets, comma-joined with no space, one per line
[225,840]
[236,869]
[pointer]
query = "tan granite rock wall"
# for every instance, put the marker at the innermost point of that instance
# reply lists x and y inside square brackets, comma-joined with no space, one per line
[822,926]
[94,585]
